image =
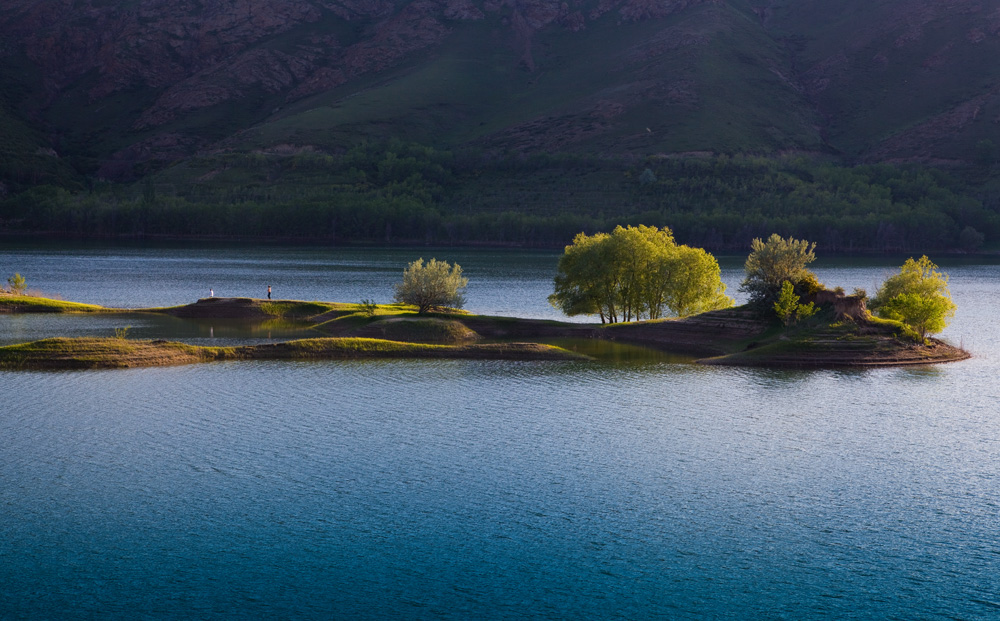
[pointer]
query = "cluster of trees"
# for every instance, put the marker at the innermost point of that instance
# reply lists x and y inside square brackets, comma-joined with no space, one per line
[777,278]
[636,273]
[640,272]
[398,192]
[875,207]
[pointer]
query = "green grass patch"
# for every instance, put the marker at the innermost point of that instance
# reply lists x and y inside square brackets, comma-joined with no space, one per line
[30,304]
[94,353]
[419,330]
[300,309]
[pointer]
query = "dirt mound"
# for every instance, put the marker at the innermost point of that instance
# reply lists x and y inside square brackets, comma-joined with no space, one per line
[886,353]
[418,330]
[221,308]
[708,334]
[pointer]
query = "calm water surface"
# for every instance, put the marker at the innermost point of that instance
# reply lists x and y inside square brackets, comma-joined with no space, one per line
[629,488]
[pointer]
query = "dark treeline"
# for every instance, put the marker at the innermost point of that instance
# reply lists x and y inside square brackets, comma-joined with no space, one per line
[399,193]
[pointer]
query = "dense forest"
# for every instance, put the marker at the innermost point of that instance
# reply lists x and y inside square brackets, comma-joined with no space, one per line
[407,193]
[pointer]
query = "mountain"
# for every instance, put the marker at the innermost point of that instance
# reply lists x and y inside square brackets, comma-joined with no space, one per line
[118,89]
[897,80]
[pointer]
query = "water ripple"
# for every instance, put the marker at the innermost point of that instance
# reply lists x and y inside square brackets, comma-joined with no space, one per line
[496,489]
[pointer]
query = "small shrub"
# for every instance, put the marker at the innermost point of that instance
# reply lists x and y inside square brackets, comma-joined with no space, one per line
[809,285]
[910,334]
[122,333]
[805,311]
[368,307]
[786,305]
[788,309]
[16,284]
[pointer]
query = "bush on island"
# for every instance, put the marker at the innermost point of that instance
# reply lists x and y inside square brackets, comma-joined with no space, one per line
[16,284]
[788,309]
[437,284]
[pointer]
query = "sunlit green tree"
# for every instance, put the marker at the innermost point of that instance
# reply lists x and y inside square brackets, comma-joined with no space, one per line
[788,308]
[918,296]
[634,273]
[695,283]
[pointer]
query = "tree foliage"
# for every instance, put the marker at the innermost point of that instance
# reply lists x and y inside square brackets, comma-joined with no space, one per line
[400,192]
[774,262]
[970,239]
[436,284]
[918,296]
[634,273]
[788,308]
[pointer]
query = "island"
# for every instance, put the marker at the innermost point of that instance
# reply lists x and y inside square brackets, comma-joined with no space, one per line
[841,334]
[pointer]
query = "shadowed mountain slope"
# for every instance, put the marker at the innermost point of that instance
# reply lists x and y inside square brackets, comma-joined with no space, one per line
[119,88]
[898,80]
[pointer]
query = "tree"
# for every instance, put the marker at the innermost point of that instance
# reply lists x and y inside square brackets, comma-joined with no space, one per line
[971,239]
[437,284]
[918,296]
[788,309]
[923,314]
[775,261]
[636,272]
[695,283]
[582,285]
[17,284]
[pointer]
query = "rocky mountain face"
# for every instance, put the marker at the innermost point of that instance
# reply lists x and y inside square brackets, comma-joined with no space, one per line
[127,84]
[901,80]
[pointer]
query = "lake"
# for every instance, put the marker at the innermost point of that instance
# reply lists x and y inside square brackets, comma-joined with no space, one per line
[632,487]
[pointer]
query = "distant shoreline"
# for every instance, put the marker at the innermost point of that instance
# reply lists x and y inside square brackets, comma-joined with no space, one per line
[332,242]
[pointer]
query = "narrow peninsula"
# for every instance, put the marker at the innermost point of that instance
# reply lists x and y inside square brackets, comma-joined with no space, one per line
[841,334]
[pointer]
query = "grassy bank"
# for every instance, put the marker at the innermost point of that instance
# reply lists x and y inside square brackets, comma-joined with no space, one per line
[113,353]
[31,304]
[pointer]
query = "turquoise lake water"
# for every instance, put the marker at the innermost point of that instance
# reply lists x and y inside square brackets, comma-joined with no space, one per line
[629,488]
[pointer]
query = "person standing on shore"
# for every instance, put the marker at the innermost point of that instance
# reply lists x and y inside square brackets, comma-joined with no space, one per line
[269,292]
[211,293]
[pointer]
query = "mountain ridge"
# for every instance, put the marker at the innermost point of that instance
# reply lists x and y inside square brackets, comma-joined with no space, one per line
[185,97]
